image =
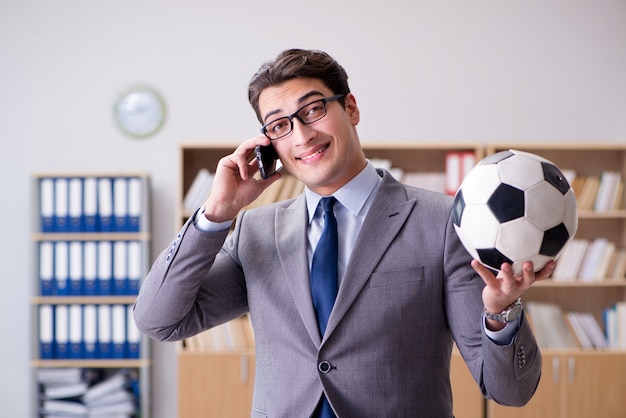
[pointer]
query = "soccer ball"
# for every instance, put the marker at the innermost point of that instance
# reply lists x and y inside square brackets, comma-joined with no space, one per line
[514,207]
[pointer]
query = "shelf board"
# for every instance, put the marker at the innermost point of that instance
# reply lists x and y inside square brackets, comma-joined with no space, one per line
[579,283]
[92,363]
[83,300]
[91,236]
[590,214]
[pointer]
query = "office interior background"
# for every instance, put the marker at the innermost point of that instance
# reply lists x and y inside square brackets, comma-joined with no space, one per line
[450,70]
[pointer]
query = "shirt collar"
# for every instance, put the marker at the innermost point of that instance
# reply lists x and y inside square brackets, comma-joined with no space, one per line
[352,195]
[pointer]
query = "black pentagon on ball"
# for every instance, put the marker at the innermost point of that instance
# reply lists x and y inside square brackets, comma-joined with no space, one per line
[506,203]
[457,209]
[496,158]
[492,257]
[553,175]
[553,240]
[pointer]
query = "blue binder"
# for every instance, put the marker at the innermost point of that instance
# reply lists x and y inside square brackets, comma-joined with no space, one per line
[135,203]
[133,335]
[104,279]
[76,280]
[75,205]
[90,331]
[46,204]
[90,267]
[46,332]
[90,204]
[105,204]
[120,204]
[120,268]
[135,261]
[118,331]
[47,284]
[61,202]
[103,346]
[75,335]
[61,268]
[61,331]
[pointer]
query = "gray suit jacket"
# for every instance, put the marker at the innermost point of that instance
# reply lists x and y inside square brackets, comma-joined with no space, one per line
[408,292]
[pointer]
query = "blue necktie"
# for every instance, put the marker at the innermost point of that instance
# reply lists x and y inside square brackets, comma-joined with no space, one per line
[324,266]
[324,281]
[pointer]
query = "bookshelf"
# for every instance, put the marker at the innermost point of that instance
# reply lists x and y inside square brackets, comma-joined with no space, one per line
[578,382]
[202,370]
[91,243]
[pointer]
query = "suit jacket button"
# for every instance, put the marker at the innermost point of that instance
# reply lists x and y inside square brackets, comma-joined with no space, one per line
[324,366]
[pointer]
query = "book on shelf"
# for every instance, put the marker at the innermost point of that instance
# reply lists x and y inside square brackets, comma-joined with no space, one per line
[231,336]
[591,260]
[587,330]
[434,181]
[286,188]
[549,325]
[615,325]
[458,165]
[599,193]
[608,191]
[558,329]
[588,193]
[575,326]
[199,190]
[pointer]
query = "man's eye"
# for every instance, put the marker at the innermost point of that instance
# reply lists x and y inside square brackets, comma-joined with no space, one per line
[279,126]
[315,109]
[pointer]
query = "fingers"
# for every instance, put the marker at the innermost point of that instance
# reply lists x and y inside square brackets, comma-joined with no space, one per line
[546,271]
[485,273]
[242,159]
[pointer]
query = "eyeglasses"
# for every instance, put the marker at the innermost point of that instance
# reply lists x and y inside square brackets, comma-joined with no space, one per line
[307,114]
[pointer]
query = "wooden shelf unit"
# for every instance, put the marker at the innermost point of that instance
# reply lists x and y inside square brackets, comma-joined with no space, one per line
[577,383]
[143,237]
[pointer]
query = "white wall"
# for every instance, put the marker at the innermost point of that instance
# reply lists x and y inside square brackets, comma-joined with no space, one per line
[451,70]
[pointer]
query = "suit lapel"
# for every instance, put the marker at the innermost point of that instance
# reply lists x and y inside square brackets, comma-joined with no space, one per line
[290,223]
[390,210]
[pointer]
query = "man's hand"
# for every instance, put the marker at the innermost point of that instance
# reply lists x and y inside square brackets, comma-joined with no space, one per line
[506,288]
[234,185]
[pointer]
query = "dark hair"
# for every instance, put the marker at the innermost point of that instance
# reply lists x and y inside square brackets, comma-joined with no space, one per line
[298,63]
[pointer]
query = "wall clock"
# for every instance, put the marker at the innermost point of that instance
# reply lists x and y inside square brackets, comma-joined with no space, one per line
[139,112]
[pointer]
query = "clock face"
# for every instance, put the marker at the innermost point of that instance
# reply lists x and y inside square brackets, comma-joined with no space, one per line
[139,112]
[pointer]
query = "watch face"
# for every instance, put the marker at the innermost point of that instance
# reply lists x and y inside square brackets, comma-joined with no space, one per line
[139,112]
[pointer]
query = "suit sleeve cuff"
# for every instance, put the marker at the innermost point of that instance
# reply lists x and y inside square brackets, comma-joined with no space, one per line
[505,335]
[204,225]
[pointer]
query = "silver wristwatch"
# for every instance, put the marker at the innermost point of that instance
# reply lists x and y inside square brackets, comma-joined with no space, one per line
[510,314]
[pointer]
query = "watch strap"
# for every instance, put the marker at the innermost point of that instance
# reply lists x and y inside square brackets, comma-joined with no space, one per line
[510,314]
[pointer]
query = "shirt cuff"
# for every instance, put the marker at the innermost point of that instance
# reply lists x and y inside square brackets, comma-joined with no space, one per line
[505,335]
[204,225]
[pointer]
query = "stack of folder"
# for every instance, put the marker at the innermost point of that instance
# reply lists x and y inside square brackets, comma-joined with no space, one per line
[88,331]
[91,204]
[90,268]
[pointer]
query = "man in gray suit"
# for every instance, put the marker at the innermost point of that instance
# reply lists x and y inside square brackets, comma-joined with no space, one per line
[407,289]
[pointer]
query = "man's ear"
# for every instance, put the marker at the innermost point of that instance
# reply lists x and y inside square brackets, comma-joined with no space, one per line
[352,109]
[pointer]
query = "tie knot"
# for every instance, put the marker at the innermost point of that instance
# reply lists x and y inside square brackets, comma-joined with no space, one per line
[328,203]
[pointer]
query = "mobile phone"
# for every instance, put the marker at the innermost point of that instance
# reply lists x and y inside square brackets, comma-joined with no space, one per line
[266,159]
